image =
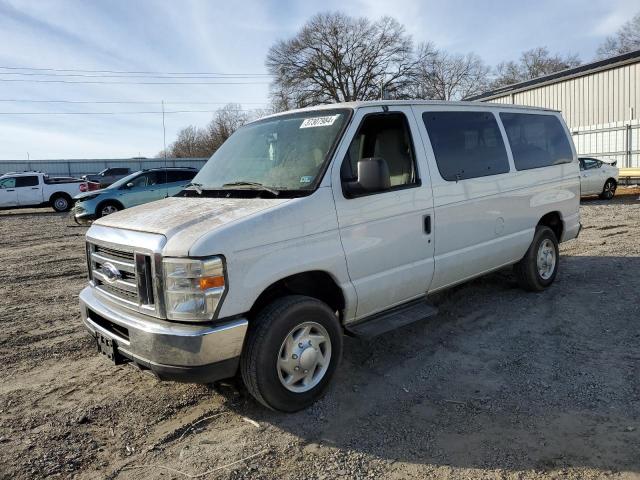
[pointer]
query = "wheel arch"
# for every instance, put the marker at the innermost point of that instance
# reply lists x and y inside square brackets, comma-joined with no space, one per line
[317,284]
[55,195]
[553,220]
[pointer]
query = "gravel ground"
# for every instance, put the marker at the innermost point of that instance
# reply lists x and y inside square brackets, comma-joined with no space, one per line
[501,384]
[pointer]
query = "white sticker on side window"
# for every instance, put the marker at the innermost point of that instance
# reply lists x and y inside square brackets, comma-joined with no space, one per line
[319,121]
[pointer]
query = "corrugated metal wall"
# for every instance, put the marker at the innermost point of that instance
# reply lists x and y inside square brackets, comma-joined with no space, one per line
[601,109]
[76,168]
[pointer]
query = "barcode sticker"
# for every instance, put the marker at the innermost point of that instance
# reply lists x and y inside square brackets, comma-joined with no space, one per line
[319,121]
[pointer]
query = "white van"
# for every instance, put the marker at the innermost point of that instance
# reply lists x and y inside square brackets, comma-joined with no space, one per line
[313,223]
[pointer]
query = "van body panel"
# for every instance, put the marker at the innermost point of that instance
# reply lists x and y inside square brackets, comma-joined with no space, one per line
[486,222]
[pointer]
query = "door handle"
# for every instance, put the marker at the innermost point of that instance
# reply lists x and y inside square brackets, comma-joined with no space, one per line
[35,188]
[427,224]
[11,190]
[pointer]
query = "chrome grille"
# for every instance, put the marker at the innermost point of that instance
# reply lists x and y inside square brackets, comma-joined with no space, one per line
[122,275]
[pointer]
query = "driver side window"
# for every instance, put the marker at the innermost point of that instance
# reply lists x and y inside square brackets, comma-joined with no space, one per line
[383,136]
[139,182]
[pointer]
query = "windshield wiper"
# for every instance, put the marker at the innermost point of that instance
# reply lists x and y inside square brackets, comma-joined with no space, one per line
[252,185]
[197,186]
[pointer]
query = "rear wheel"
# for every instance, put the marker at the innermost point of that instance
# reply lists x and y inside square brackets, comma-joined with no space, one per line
[609,189]
[538,268]
[61,203]
[293,348]
[108,208]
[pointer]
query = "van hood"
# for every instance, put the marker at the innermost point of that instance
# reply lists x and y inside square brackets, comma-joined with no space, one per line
[194,216]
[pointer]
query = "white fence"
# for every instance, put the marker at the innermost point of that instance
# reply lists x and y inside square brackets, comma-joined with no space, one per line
[614,141]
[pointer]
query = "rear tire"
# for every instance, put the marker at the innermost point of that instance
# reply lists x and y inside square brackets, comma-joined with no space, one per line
[609,189]
[61,203]
[293,348]
[539,266]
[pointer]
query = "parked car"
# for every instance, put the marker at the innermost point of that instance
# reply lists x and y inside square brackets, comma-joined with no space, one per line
[108,176]
[138,188]
[36,189]
[598,177]
[317,222]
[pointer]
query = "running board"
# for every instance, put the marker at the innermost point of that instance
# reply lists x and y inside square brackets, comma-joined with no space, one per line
[393,318]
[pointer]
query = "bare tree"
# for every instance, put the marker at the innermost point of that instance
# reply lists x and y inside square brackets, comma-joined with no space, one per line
[203,142]
[533,63]
[190,143]
[444,76]
[626,39]
[226,121]
[337,58]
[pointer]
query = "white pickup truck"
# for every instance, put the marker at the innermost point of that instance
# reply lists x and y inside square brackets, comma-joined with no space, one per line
[36,189]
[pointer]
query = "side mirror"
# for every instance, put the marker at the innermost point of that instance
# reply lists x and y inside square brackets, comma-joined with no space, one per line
[373,176]
[130,185]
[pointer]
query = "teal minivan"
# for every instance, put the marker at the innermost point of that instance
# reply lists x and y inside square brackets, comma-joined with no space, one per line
[140,187]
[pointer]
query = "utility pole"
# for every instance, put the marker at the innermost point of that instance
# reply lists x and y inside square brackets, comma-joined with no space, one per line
[164,151]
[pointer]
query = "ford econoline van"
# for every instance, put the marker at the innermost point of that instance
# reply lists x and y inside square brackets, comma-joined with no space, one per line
[311,224]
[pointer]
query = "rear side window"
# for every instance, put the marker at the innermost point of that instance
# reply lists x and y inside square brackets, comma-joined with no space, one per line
[30,181]
[466,144]
[118,171]
[536,140]
[180,175]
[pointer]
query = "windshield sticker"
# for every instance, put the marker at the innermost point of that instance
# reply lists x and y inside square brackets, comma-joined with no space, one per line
[306,179]
[319,121]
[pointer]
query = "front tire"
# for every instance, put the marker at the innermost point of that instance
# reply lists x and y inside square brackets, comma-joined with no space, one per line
[609,190]
[293,348]
[539,266]
[107,208]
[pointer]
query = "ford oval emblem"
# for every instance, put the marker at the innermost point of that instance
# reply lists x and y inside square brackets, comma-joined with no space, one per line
[111,273]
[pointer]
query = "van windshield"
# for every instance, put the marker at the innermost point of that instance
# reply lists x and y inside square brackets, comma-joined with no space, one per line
[287,152]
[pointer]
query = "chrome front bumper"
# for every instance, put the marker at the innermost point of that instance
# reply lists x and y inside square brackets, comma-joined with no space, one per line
[174,351]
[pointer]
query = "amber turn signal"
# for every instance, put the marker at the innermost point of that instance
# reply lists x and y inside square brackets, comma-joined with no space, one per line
[211,282]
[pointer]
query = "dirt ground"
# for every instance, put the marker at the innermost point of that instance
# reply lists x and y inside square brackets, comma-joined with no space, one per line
[501,384]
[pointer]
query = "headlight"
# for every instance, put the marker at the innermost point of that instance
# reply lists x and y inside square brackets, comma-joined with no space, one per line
[193,288]
[86,197]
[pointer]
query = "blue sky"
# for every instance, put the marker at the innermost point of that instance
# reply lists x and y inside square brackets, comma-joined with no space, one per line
[225,37]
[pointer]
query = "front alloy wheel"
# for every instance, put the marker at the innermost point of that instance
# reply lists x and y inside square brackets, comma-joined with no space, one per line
[108,210]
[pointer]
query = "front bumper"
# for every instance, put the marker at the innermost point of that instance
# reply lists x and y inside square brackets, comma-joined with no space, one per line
[82,215]
[200,353]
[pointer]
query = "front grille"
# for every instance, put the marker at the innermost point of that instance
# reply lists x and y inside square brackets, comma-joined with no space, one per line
[122,275]
[112,253]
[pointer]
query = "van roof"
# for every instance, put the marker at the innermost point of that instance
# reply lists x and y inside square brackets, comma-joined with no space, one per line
[380,103]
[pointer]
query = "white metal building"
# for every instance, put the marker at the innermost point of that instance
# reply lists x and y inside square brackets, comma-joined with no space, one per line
[600,102]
